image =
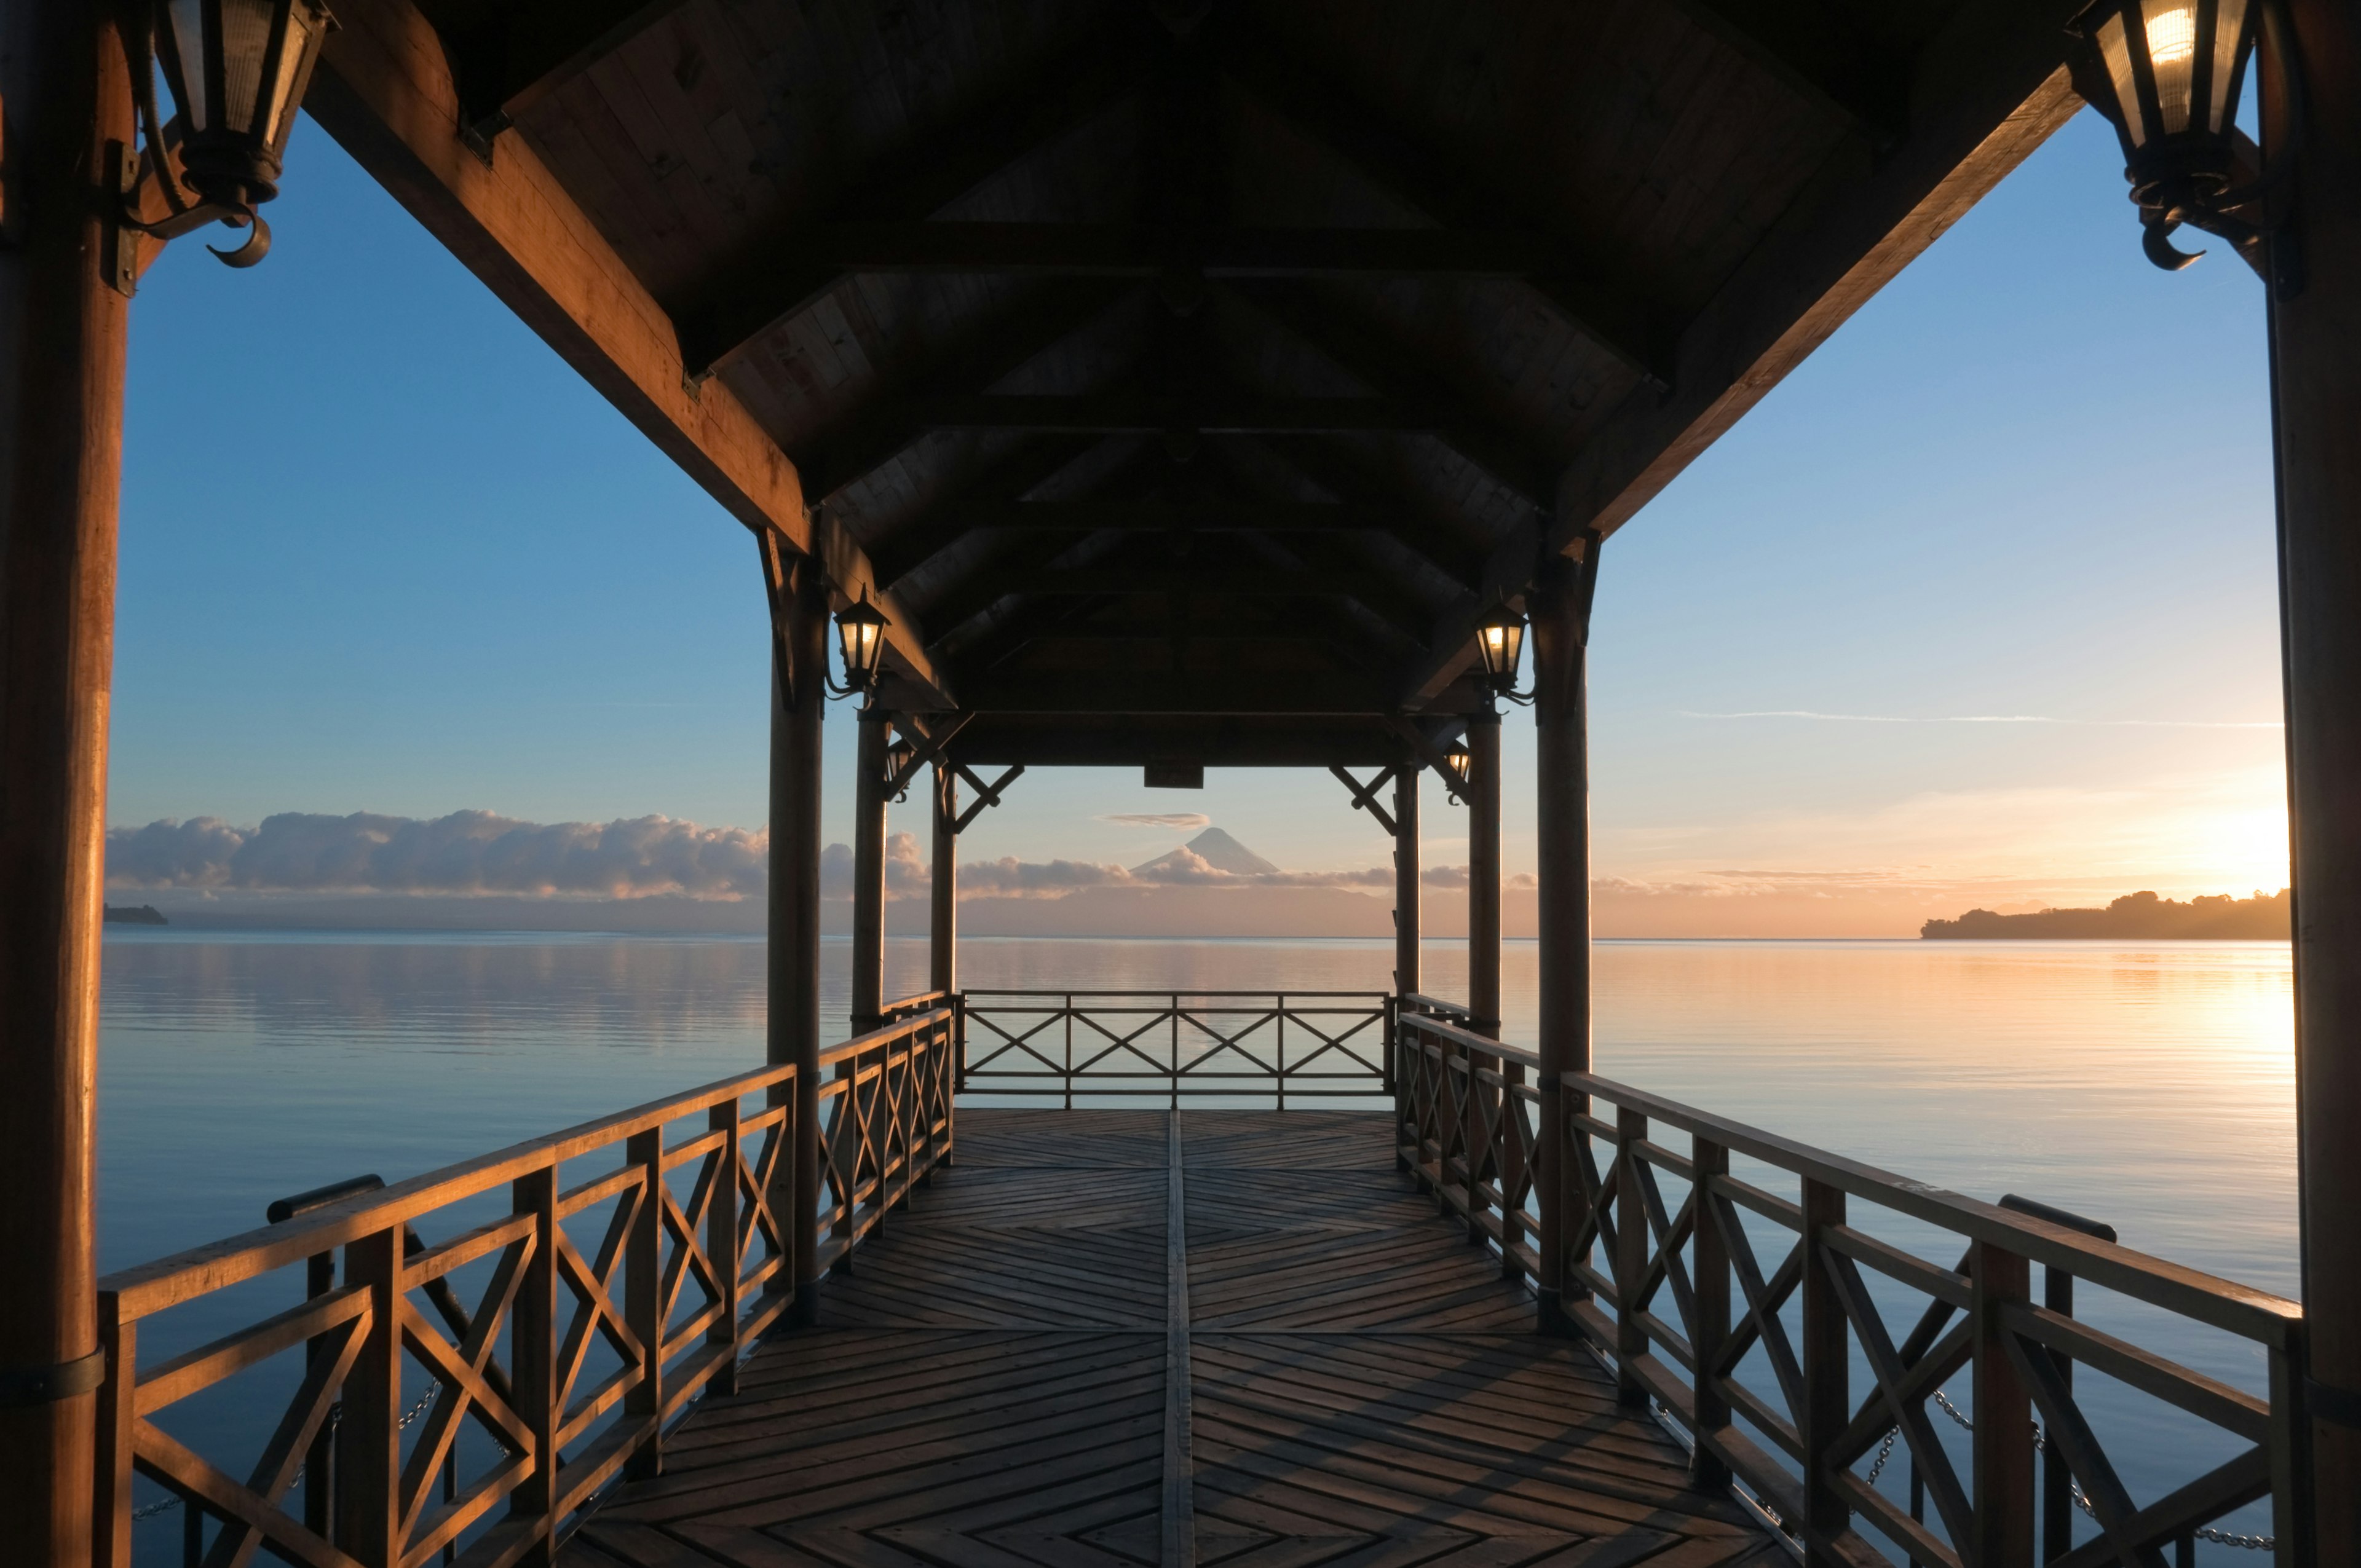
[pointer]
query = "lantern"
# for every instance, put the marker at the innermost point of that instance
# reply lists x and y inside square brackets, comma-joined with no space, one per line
[860,630]
[899,757]
[237,69]
[1501,642]
[2167,73]
[1461,762]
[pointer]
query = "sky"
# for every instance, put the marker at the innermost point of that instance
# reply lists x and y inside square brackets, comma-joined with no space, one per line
[1976,609]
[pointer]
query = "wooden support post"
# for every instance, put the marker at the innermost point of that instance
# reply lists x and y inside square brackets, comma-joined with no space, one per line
[2316,401]
[63,331]
[868,871]
[1827,1383]
[533,1360]
[369,1444]
[1631,1261]
[942,930]
[721,1242]
[1407,886]
[1560,635]
[1483,792]
[643,1303]
[798,705]
[1710,1278]
[2003,1443]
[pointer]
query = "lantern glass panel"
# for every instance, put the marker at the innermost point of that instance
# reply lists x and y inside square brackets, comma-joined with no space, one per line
[187,19]
[302,23]
[2116,51]
[2171,28]
[2229,33]
[246,40]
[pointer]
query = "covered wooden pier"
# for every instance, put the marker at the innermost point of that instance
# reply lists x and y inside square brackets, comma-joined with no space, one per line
[1186,384]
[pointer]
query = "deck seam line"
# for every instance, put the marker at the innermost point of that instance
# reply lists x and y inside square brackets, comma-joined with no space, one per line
[1179,1490]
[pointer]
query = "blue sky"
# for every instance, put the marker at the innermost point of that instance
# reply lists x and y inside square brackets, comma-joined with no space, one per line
[382,550]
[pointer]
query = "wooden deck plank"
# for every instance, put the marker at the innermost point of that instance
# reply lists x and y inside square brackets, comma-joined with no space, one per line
[988,1385]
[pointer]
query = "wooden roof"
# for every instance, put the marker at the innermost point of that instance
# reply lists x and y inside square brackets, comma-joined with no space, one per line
[1206,366]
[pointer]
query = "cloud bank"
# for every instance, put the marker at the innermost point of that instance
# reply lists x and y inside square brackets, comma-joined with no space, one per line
[478,852]
[1179,819]
[466,852]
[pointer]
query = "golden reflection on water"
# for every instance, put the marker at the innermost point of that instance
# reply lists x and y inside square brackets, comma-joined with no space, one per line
[2148,1085]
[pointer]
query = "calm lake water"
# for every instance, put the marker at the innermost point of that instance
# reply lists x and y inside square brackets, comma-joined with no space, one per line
[2148,1085]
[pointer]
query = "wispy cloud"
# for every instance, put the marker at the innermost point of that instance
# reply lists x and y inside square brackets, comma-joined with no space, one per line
[1179,820]
[1992,718]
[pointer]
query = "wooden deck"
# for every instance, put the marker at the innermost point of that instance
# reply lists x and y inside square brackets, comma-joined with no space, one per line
[1001,1381]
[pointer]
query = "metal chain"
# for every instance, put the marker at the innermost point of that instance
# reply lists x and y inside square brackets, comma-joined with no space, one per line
[335,1419]
[2081,1499]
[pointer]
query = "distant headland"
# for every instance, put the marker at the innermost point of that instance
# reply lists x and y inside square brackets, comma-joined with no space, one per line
[2141,917]
[133,914]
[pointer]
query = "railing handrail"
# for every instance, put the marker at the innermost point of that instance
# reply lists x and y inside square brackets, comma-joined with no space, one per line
[2225,1304]
[145,1289]
[1470,1040]
[1274,991]
[1426,1003]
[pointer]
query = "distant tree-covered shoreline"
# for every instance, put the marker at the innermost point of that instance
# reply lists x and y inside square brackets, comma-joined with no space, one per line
[2142,917]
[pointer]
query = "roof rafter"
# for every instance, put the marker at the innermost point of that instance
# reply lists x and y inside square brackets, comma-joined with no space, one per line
[1816,54]
[918,539]
[1361,350]
[506,57]
[1611,311]
[765,282]
[384,92]
[890,419]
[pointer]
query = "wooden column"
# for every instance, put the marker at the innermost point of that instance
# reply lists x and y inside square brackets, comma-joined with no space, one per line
[942,930]
[61,355]
[1560,637]
[2316,397]
[1406,873]
[1483,792]
[798,705]
[868,871]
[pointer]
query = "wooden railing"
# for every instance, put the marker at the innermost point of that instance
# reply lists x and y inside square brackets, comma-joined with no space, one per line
[1466,1119]
[1757,1366]
[1320,1045]
[1669,1285]
[577,1350]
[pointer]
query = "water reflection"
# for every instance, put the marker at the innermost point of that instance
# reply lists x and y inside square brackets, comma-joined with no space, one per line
[2148,1085]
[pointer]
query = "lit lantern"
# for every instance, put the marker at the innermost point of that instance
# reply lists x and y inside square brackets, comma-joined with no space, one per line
[1501,642]
[1461,762]
[238,70]
[860,630]
[2167,74]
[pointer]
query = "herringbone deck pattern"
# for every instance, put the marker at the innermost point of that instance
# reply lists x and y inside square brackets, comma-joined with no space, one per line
[986,1386]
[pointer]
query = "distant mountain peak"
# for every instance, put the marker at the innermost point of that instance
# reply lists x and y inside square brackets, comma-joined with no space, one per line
[1219,851]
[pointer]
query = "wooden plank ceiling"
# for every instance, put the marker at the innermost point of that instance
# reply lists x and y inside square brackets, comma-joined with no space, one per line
[1206,367]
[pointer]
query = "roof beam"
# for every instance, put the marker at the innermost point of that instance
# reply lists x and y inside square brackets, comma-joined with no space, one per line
[1123,250]
[887,423]
[1988,89]
[1118,413]
[1158,579]
[918,539]
[506,57]
[384,92]
[1365,354]
[1146,691]
[1609,311]
[1433,536]
[769,279]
